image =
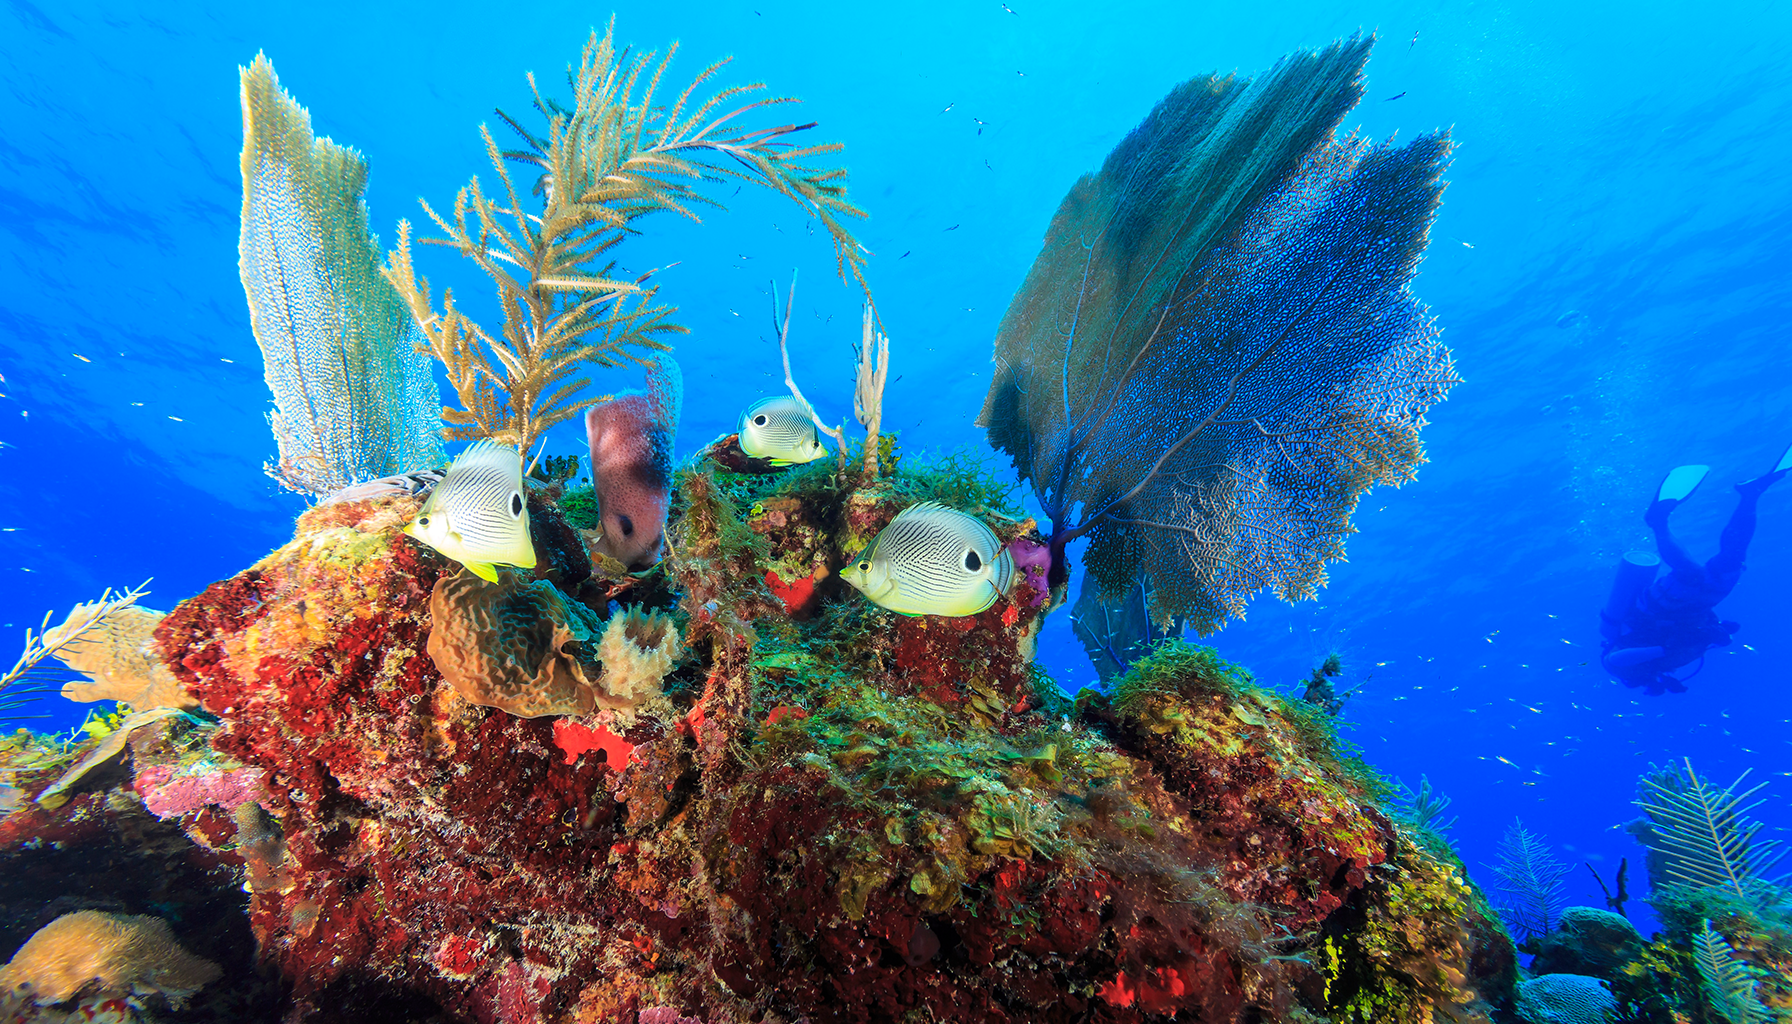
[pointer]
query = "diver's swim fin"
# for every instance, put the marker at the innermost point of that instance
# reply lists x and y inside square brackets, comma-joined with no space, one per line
[1680,482]
[1754,488]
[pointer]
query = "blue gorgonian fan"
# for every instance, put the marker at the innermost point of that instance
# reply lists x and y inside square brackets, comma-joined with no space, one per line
[1216,351]
[354,398]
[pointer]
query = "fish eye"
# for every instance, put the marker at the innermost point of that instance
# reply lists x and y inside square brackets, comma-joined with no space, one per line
[864,566]
[971,562]
[516,504]
[759,420]
[423,521]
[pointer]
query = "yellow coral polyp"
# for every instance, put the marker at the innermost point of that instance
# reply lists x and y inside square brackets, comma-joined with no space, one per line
[639,648]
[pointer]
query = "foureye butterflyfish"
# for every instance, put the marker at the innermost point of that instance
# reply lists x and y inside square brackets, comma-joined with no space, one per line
[478,514]
[933,560]
[779,429]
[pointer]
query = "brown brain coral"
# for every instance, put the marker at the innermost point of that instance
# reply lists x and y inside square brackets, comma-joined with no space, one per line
[528,649]
[121,953]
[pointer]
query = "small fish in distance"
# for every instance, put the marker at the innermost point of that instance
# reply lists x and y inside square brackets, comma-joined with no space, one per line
[1010,10]
[933,560]
[477,515]
[1391,99]
[778,429]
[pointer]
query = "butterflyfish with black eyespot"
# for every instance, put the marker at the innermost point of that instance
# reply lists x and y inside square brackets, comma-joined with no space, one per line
[478,515]
[933,560]
[779,429]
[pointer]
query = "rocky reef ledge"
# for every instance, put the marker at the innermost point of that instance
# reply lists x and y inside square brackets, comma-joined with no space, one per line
[745,794]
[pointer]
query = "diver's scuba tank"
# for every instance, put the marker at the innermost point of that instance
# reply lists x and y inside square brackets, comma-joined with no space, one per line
[1636,570]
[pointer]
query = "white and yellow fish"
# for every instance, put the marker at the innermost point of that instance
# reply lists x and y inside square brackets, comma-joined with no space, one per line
[779,429]
[478,514]
[933,560]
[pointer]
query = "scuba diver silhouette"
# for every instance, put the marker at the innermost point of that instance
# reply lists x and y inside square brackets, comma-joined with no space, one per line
[1653,626]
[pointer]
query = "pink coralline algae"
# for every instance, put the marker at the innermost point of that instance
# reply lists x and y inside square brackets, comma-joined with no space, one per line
[169,792]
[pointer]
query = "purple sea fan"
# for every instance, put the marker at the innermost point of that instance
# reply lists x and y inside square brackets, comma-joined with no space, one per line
[1216,352]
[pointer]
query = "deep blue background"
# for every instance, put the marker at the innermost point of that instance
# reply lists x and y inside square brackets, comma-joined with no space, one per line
[1609,268]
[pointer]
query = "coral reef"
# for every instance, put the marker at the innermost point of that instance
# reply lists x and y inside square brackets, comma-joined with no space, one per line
[353,398]
[522,647]
[109,746]
[638,649]
[116,953]
[727,788]
[822,811]
[1729,985]
[1709,874]
[1701,835]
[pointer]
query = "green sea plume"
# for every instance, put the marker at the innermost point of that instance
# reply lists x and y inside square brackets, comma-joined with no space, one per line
[1531,879]
[1728,984]
[1703,834]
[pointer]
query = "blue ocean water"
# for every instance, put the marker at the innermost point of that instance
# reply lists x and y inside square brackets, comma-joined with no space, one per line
[1609,267]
